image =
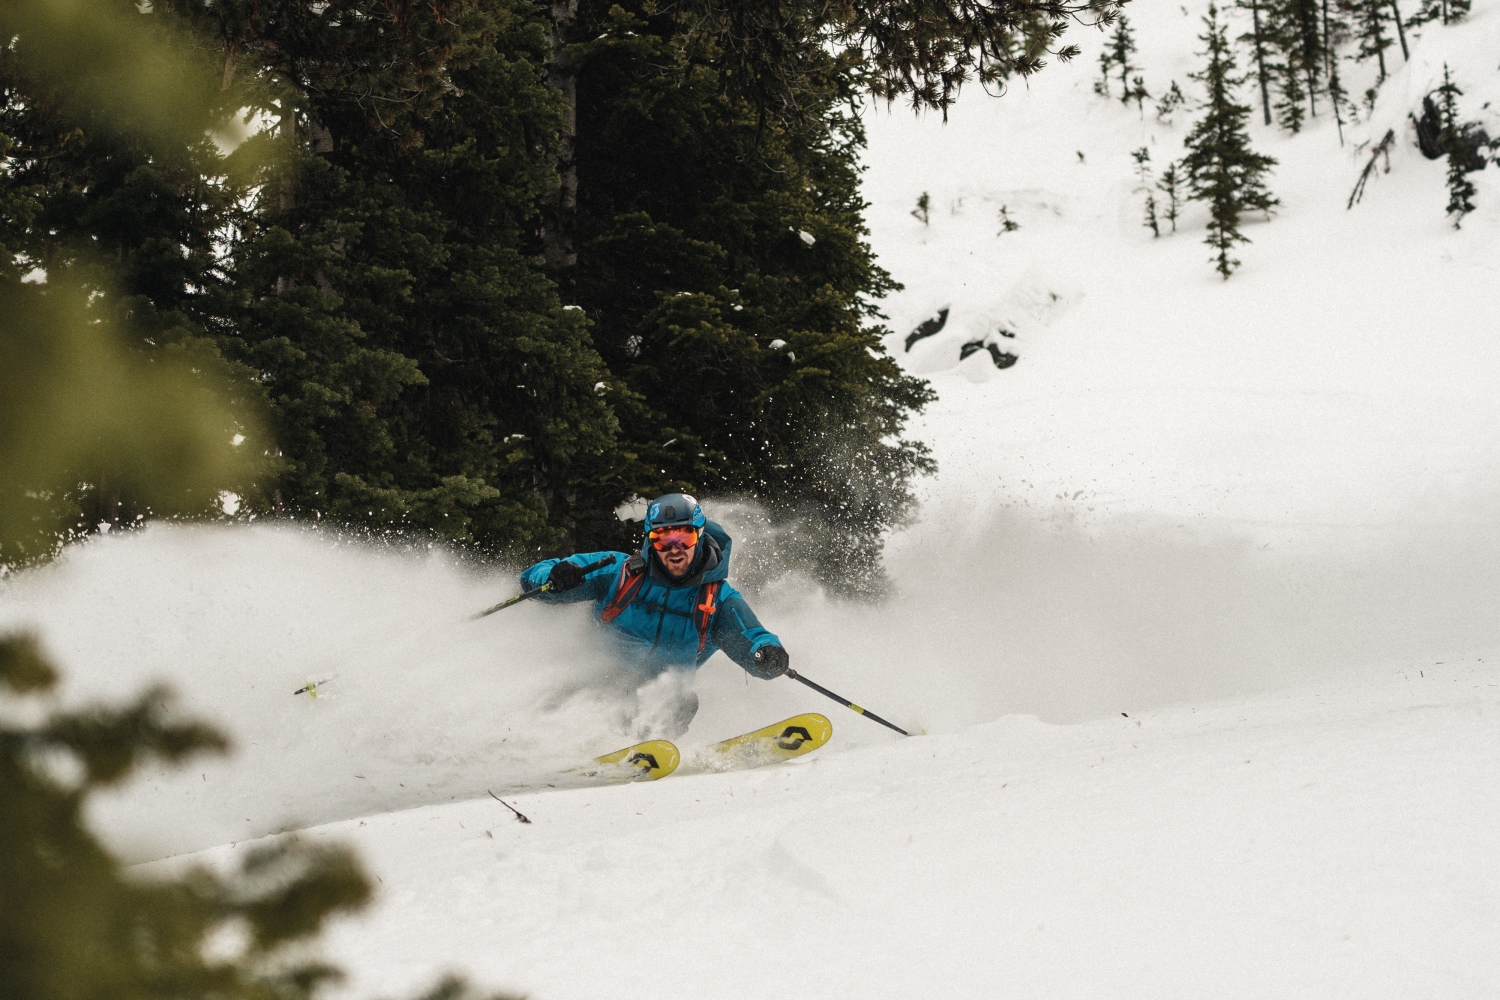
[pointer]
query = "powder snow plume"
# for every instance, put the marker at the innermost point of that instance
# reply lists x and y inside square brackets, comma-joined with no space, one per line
[1011,612]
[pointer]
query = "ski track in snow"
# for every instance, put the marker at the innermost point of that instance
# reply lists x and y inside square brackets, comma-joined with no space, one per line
[1198,621]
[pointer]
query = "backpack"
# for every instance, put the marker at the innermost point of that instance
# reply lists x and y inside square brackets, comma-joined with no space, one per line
[633,574]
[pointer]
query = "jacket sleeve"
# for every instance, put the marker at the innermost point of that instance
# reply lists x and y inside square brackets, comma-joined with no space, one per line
[595,586]
[736,630]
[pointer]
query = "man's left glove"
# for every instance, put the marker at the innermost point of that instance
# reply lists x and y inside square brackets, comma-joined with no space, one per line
[564,576]
[770,661]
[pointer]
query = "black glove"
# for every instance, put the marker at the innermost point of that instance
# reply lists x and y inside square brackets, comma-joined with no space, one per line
[770,661]
[564,576]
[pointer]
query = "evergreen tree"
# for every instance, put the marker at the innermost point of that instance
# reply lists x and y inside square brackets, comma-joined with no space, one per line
[1370,18]
[1334,30]
[924,51]
[74,924]
[121,212]
[1121,48]
[408,265]
[691,210]
[424,374]
[1306,16]
[82,388]
[1302,57]
[1169,102]
[1400,30]
[1461,151]
[923,212]
[1170,184]
[1142,159]
[1139,94]
[1262,39]
[1291,92]
[1220,167]
[1106,64]
[1446,11]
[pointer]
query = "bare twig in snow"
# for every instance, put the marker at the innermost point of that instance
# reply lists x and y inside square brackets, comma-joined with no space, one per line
[507,805]
[1384,149]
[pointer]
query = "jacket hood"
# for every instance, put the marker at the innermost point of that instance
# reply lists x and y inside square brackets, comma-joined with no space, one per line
[711,562]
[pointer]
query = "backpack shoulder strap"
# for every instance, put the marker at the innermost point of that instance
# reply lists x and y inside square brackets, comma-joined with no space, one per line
[703,612]
[632,575]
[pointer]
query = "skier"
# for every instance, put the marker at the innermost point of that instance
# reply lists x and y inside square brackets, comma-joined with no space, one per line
[670,606]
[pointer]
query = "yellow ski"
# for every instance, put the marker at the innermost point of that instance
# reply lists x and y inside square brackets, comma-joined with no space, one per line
[786,739]
[642,762]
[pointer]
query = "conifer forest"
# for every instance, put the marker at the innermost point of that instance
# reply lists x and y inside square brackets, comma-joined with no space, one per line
[483,270]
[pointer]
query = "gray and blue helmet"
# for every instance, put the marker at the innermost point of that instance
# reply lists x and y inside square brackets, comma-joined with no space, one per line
[674,509]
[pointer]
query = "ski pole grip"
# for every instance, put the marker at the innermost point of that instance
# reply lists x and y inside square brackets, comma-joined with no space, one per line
[606,561]
[528,594]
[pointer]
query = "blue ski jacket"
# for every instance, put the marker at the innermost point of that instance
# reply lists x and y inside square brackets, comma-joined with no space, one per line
[656,631]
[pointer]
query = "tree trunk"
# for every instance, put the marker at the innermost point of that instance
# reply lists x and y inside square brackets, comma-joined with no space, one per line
[1330,69]
[560,204]
[1260,61]
[1307,17]
[1400,31]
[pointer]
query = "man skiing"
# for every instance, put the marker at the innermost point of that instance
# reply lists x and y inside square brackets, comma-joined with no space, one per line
[670,606]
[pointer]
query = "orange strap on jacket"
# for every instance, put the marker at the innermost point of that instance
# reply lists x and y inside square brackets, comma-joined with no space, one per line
[703,613]
[633,575]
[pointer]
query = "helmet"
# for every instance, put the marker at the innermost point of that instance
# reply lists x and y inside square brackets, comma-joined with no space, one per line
[672,509]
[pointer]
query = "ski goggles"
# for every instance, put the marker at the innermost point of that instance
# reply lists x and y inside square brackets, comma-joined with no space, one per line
[676,536]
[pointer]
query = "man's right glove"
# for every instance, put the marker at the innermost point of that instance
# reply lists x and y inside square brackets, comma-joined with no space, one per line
[564,576]
[770,661]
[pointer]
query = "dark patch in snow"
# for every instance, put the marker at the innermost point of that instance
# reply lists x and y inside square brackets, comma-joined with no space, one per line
[1001,358]
[928,327]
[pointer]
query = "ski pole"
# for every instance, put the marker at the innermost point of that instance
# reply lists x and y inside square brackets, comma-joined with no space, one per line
[844,701]
[544,588]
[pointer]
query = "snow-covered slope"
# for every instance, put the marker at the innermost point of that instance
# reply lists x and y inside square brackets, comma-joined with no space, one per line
[1198,619]
[1342,378]
[1331,841]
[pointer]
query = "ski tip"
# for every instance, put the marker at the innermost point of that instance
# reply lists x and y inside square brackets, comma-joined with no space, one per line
[645,761]
[801,734]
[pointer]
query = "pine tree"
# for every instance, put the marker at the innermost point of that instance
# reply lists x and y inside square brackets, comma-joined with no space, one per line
[1400,30]
[1291,92]
[924,51]
[423,373]
[126,217]
[81,389]
[1333,30]
[1295,31]
[1169,102]
[1121,48]
[1106,65]
[1139,94]
[1261,38]
[1370,18]
[1446,11]
[1461,154]
[76,924]
[1170,184]
[923,212]
[1304,25]
[1220,167]
[1142,159]
[691,265]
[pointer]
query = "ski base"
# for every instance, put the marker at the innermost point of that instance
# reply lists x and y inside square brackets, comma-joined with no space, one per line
[801,734]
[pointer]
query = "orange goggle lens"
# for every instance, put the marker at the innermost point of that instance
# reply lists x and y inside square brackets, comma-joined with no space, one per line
[674,537]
